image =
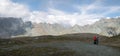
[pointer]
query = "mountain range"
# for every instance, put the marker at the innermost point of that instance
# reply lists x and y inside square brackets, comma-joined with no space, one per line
[10,27]
[105,27]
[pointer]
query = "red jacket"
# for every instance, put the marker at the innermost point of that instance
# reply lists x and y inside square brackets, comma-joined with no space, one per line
[94,38]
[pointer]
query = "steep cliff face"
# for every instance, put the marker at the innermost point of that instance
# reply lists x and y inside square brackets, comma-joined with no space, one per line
[10,26]
[106,27]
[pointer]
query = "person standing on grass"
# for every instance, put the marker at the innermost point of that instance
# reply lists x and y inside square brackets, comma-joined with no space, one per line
[95,39]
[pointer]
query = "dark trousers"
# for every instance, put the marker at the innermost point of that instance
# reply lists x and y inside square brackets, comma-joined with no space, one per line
[95,41]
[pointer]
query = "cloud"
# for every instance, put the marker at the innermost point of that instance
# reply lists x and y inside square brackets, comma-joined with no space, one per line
[8,8]
[57,16]
[87,14]
[111,9]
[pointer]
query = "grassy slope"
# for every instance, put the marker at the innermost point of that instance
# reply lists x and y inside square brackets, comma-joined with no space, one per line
[50,51]
[112,41]
[37,51]
[84,37]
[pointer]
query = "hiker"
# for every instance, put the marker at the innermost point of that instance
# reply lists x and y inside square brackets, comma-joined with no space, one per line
[95,38]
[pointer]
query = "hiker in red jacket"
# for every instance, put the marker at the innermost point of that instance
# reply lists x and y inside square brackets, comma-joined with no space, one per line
[95,40]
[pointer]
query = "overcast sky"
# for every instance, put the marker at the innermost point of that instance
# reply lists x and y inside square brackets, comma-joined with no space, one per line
[70,12]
